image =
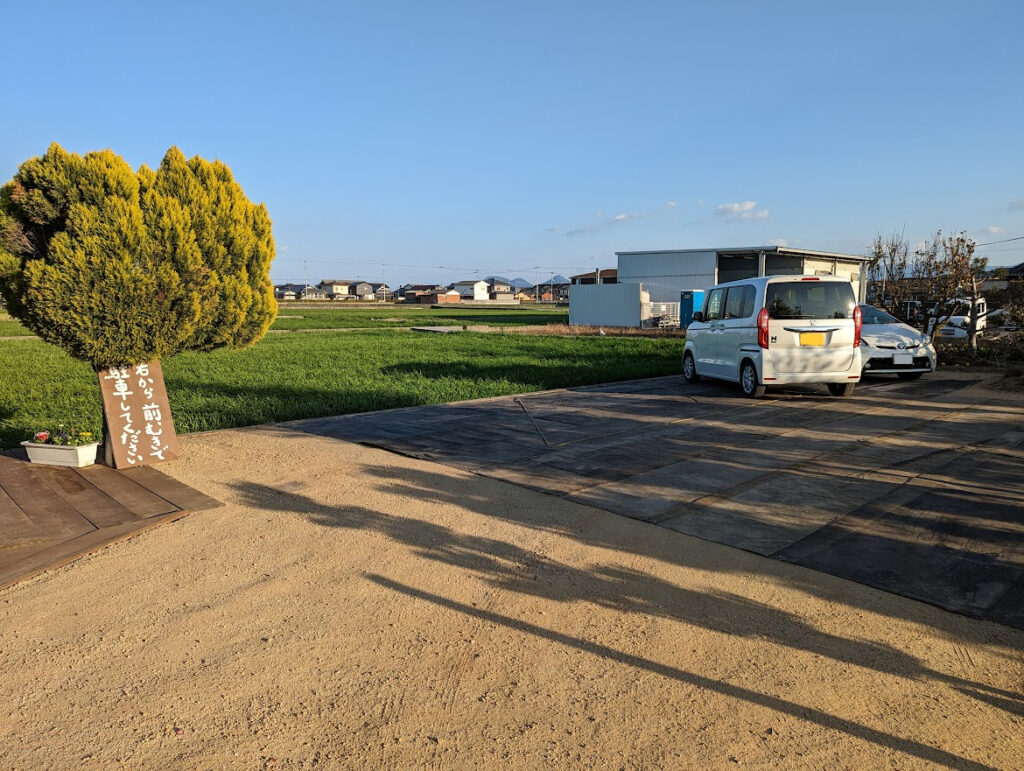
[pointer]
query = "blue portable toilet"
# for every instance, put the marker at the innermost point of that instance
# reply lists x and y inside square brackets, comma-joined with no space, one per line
[690,300]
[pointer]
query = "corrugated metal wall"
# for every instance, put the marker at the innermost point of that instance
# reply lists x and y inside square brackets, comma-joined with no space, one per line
[606,305]
[666,274]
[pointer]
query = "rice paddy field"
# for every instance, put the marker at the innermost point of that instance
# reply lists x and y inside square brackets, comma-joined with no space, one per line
[291,376]
[397,316]
[381,317]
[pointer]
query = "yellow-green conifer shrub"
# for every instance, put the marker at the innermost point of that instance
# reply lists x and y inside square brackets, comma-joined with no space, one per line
[119,267]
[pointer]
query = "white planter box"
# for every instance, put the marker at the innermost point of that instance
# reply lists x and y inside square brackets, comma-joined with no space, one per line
[59,455]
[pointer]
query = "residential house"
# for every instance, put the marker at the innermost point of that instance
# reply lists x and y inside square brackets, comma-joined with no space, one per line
[548,293]
[382,292]
[336,289]
[472,290]
[607,275]
[500,290]
[287,291]
[298,292]
[362,290]
[411,292]
[440,297]
[497,285]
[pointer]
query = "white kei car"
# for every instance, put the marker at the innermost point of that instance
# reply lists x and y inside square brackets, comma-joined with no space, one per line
[890,347]
[777,330]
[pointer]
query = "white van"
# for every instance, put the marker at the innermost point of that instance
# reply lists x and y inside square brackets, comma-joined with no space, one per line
[777,330]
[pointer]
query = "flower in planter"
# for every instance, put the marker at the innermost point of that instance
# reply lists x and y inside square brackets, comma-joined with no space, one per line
[67,437]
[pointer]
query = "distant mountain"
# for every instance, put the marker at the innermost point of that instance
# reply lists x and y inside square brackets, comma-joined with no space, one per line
[522,283]
[518,283]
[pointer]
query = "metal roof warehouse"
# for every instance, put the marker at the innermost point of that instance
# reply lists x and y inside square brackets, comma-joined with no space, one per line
[666,273]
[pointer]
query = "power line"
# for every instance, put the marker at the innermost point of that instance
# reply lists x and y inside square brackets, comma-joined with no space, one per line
[1004,241]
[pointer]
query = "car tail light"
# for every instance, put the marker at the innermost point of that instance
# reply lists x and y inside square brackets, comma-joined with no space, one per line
[762,328]
[810,278]
[856,326]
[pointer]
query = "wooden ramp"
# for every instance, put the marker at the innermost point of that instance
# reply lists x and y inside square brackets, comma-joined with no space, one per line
[50,515]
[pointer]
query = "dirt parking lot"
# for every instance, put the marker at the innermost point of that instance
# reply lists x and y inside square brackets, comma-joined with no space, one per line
[351,607]
[913,487]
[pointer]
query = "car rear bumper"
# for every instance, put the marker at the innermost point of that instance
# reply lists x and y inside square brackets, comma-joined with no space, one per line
[771,375]
[794,378]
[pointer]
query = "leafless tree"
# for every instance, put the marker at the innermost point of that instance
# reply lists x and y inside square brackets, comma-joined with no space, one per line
[889,267]
[950,276]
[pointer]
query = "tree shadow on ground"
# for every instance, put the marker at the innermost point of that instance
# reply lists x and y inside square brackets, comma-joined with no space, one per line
[514,568]
[823,719]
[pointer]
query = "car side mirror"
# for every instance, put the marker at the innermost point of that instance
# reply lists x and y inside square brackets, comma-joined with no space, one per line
[698,316]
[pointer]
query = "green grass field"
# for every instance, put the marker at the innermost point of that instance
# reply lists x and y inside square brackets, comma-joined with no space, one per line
[286,377]
[340,316]
[390,316]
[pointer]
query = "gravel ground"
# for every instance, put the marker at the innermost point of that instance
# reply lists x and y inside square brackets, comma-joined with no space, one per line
[351,608]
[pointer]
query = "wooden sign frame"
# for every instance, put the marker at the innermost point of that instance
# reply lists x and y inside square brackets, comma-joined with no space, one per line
[137,423]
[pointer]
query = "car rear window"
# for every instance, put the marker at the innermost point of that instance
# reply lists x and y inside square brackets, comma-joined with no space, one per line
[872,315]
[810,300]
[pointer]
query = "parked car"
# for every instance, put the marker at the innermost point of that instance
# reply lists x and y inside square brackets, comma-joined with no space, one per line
[957,325]
[890,347]
[777,330]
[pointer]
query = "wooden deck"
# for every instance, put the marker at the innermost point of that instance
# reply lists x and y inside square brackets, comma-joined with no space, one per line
[50,515]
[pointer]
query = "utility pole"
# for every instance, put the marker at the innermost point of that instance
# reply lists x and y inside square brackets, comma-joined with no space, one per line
[536,284]
[441,282]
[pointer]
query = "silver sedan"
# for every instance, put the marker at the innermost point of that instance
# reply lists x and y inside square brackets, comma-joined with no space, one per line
[890,347]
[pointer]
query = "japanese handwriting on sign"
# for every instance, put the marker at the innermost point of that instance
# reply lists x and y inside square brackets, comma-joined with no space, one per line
[137,413]
[145,382]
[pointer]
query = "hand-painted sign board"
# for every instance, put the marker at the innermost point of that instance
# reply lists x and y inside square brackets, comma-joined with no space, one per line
[139,427]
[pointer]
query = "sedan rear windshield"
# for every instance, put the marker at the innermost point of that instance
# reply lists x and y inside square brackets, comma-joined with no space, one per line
[810,300]
[873,315]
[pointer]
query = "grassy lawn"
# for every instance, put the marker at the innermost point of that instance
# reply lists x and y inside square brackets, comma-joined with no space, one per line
[10,328]
[285,377]
[340,317]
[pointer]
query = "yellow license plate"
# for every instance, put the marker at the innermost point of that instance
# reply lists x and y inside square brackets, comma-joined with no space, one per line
[812,338]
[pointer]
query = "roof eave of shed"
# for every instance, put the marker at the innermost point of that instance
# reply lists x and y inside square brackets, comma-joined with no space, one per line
[748,249]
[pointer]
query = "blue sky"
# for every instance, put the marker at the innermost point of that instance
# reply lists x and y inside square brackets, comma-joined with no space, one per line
[390,139]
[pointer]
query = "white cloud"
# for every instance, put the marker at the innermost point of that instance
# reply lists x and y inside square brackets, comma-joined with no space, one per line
[994,230]
[735,208]
[1017,205]
[778,242]
[743,210]
[552,229]
[700,201]
[670,205]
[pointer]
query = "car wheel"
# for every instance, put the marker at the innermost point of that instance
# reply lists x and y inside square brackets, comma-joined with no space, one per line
[690,369]
[841,389]
[748,381]
[909,375]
